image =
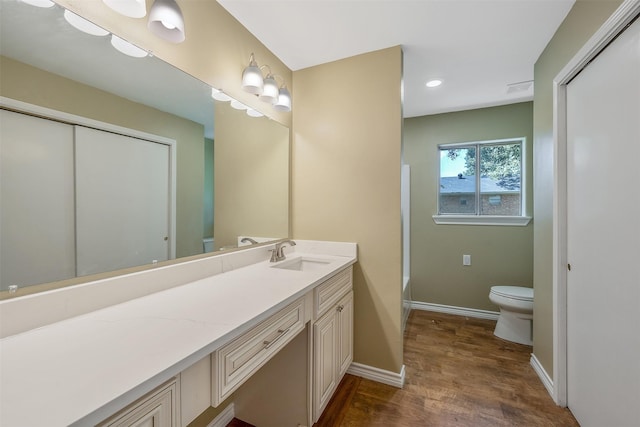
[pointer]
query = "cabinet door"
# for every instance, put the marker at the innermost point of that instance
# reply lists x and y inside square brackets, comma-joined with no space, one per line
[345,333]
[324,336]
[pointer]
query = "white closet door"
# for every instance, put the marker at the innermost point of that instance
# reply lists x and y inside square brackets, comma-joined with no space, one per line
[36,200]
[603,287]
[122,186]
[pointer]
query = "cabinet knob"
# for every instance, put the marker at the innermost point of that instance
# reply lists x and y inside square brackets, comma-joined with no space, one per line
[340,308]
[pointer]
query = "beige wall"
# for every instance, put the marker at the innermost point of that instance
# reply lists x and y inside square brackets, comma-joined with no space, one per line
[251,177]
[32,85]
[500,255]
[216,49]
[346,185]
[581,23]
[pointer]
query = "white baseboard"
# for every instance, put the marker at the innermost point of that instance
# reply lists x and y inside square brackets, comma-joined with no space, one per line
[542,374]
[458,311]
[223,417]
[377,374]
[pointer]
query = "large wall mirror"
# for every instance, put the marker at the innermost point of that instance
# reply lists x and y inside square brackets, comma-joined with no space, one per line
[227,176]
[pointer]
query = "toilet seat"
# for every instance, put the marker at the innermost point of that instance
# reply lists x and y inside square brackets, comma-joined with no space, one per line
[513,292]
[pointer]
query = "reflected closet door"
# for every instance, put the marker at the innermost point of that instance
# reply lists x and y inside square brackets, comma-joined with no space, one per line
[36,200]
[123,201]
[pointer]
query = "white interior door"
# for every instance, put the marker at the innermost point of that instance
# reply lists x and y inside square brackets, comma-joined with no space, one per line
[123,194]
[603,237]
[36,200]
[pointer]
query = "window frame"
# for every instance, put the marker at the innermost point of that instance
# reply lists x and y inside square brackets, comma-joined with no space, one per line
[477,218]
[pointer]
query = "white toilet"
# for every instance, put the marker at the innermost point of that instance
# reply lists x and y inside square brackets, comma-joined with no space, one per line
[515,322]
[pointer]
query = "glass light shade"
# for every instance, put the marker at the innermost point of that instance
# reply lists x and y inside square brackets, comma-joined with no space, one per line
[254,113]
[284,100]
[83,25]
[166,21]
[270,90]
[219,95]
[130,8]
[252,81]
[39,3]
[238,105]
[127,48]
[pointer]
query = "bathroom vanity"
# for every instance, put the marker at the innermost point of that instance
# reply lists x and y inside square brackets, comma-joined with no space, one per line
[122,363]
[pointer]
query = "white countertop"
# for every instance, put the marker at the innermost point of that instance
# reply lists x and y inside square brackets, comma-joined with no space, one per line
[77,370]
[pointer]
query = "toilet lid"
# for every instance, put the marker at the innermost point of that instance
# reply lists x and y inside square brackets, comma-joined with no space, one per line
[514,292]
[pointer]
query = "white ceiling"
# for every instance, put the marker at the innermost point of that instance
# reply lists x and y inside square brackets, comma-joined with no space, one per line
[477,47]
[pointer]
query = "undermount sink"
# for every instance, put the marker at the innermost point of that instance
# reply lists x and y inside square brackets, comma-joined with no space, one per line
[303,264]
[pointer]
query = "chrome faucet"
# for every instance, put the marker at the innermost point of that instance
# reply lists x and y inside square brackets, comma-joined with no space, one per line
[248,240]
[277,254]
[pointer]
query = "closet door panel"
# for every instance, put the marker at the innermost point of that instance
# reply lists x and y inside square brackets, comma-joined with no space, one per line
[123,198]
[36,200]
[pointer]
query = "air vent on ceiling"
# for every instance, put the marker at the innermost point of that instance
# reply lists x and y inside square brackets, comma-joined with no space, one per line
[520,87]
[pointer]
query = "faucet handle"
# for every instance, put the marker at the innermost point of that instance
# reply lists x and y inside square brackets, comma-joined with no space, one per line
[274,255]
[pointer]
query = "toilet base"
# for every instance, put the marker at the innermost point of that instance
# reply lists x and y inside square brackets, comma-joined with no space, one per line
[515,327]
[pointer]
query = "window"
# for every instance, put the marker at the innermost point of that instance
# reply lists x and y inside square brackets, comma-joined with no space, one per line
[481,183]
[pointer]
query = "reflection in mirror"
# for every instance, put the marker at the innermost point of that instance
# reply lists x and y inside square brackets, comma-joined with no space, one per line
[48,64]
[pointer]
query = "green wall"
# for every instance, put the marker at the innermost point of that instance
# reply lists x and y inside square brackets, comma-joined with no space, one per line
[208,196]
[501,255]
[581,23]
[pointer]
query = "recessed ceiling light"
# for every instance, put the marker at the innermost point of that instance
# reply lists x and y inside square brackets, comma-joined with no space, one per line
[434,83]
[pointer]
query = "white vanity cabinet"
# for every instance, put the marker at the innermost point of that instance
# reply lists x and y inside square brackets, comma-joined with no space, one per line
[332,337]
[234,363]
[158,408]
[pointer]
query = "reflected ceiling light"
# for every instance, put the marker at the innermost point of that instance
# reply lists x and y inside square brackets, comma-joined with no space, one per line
[127,48]
[252,80]
[434,83]
[238,105]
[219,95]
[130,8]
[254,113]
[39,3]
[83,25]
[166,21]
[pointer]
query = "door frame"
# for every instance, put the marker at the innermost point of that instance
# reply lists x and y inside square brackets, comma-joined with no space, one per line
[616,23]
[72,119]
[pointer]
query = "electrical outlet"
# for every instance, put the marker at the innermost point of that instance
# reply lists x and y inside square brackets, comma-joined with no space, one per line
[466,259]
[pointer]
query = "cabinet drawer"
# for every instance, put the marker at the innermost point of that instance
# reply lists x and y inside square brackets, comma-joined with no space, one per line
[158,408]
[327,295]
[234,363]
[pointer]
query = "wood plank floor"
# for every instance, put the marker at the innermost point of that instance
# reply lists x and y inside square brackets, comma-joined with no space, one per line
[457,374]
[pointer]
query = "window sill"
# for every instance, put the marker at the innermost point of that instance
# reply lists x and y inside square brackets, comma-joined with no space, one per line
[519,221]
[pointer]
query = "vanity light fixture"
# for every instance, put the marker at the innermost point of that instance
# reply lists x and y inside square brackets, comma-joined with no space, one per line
[284,99]
[83,25]
[166,21]
[219,95]
[270,89]
[254,113]
[266,88]
[39,3]
[127,48]
[238,105]
[252,80]
[130,8]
